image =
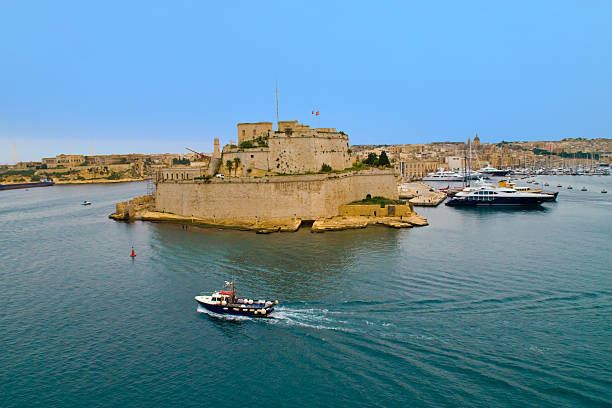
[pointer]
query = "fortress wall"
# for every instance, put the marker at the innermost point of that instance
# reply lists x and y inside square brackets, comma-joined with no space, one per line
[256,158]
[249,131]
[301,154]
[307,197]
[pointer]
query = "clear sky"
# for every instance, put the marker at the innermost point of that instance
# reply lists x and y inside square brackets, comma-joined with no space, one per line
[156,76]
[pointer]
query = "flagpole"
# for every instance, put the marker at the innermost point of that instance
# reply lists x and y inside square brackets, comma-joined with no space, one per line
[276,91]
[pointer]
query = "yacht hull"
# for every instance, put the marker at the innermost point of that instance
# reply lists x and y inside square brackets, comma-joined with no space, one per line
[501,201]
[237,311]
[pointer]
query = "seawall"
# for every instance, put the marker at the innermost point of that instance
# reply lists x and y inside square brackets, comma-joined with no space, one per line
[307,197]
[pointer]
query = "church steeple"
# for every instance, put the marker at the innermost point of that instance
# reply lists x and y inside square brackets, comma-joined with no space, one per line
[476,139]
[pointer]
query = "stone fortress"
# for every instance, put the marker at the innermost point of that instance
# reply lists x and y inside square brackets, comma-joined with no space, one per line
[294,148]
[279,180]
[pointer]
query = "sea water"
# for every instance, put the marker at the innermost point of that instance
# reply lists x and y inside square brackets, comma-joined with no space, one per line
[483,307]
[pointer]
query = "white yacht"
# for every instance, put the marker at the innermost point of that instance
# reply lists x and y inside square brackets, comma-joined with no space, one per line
[443,175]
[488,195]
[472,174]
[491,171]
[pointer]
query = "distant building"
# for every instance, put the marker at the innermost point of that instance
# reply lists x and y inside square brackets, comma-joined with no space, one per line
[455,162]
[417,169]
[63,160]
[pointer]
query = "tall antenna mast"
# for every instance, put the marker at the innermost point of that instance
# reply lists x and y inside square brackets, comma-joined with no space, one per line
[15,152]
[276,91]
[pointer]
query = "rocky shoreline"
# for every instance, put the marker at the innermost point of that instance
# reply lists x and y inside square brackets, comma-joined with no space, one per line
[142,209]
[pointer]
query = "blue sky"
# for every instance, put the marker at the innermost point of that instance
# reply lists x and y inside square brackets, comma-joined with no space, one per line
[153,76]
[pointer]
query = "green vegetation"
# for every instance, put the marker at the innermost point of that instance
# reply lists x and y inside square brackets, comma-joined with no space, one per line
[374,161]
[184,162]
[206,179]
[382,201]
[236,164]
[114,176]
[24,173]
[259,141]
[357,166]
[383,160]
[35,177]
[577,155]
[325,168]
[229,164]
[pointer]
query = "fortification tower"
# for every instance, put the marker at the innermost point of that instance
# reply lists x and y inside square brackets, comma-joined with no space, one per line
[250,131]
[217,149]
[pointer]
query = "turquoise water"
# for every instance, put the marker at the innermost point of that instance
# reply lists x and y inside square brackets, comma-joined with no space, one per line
[482,308]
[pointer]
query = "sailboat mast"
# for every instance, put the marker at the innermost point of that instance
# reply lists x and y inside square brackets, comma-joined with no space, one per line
[470,170]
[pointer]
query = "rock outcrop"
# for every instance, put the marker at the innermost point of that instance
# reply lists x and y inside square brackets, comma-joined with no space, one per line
[127,210]
[344,223]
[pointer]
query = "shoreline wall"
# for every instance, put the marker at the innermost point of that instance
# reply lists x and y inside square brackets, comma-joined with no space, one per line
[306,197]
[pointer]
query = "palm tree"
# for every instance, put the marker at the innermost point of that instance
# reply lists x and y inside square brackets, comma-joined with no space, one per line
[237,164]
[229,164]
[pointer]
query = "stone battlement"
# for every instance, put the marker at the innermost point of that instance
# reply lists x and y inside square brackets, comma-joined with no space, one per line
[306,197]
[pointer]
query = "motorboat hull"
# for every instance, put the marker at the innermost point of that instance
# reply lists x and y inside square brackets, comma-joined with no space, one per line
[247,310]
[26,185]
[498,201]
[495,173]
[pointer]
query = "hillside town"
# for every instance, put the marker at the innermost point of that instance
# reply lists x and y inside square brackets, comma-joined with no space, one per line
[251,157]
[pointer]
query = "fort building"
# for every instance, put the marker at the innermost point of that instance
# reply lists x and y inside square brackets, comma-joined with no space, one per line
[250,131]
[271,176]
[293,149]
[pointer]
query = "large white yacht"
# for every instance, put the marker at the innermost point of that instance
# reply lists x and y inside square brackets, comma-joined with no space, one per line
[472,174]
[487,195]
[443,175]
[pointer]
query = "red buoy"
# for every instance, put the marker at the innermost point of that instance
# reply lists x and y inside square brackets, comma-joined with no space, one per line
[133,254]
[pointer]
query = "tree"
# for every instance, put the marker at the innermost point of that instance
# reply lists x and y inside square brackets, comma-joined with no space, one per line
[237,164]
[383,160]
[326,168]
[372,159]
[229,165]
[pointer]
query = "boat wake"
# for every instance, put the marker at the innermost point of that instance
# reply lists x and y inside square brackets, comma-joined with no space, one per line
[313,318]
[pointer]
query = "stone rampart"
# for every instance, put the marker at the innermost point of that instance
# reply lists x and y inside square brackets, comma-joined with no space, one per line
[307,153]
[375,210]
[307,197]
